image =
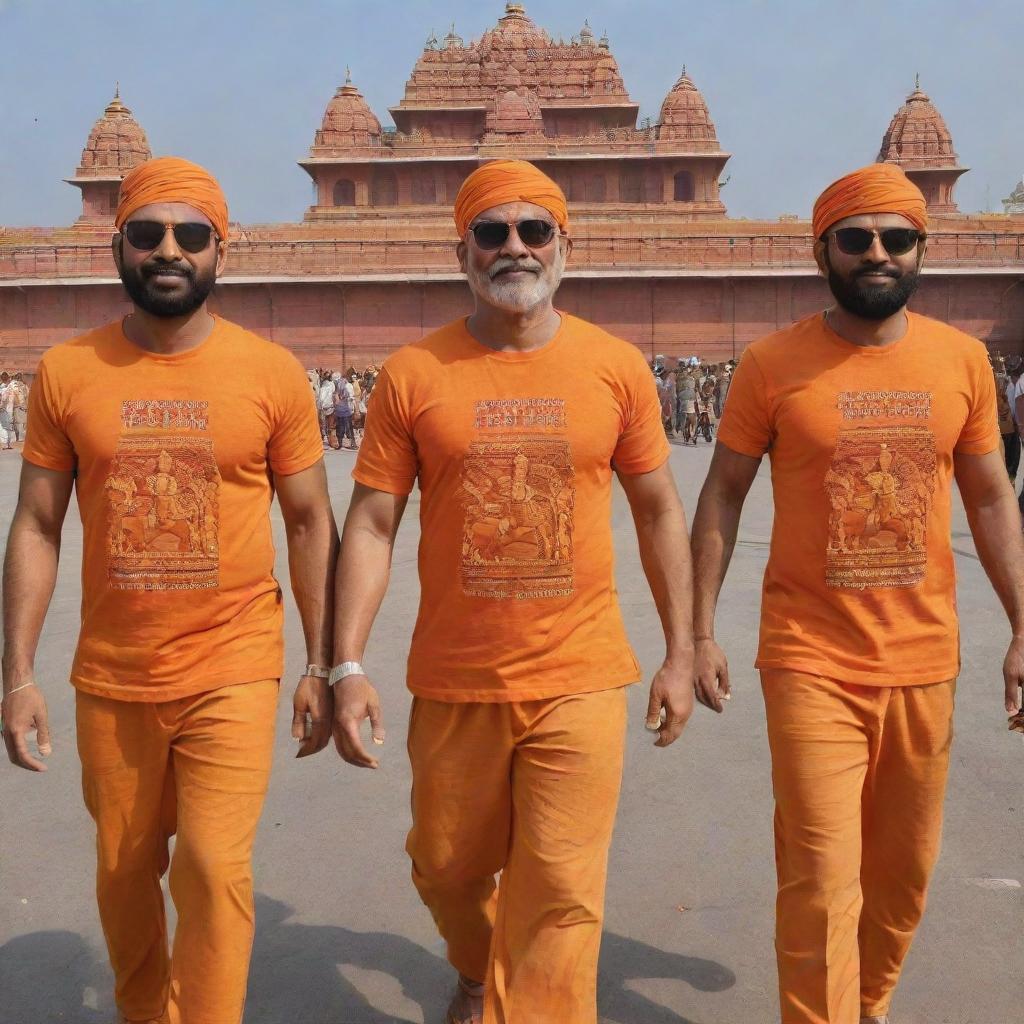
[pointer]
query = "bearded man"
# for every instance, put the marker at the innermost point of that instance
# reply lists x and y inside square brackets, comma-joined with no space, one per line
[867,412]
[180,652]
[513,422]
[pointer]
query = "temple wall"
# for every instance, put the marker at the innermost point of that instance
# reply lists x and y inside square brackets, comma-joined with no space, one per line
[354,322]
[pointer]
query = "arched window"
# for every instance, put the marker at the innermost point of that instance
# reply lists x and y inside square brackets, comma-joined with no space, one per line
[424,192]
[595,188]
[684,191]
[385,189]
[345,192]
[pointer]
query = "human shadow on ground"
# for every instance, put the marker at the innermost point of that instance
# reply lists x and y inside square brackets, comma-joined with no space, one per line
[51,977]
[296,975]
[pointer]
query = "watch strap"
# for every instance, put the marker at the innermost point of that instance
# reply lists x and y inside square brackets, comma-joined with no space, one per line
[346,668]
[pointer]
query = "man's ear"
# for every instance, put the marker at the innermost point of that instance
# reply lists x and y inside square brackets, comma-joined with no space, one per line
[568,245]
[116,241]
[222,257]
[922,245]
[461,252]
[821,257]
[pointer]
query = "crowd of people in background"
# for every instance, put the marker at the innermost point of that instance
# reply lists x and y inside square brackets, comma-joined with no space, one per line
[692,395]
[341,397]
[13,409]
[1009,374]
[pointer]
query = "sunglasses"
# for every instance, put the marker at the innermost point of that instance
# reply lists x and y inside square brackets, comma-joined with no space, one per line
[895,241]
[146,235]
[492,234]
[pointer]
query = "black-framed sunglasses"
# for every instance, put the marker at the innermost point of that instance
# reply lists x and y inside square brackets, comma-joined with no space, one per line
[147,235]
[534,233]
[895,241]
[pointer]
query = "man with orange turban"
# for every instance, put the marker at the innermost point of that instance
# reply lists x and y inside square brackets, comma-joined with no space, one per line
[180,651]
[513,421]
[867,412]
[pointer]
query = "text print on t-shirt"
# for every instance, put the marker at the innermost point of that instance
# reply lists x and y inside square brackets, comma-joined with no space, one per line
[518,500]
[163,499]
[880,487]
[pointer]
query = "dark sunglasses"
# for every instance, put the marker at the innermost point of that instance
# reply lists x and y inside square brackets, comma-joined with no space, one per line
[533,233]
[146,235]
[895,241]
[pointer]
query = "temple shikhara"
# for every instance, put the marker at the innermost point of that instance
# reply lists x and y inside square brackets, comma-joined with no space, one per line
[657,259]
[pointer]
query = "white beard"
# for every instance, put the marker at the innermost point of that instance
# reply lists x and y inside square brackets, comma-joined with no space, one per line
[518,296]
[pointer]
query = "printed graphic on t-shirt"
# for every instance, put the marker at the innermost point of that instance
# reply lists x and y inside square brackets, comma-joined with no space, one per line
[880,488]
[518,499]
[163,492]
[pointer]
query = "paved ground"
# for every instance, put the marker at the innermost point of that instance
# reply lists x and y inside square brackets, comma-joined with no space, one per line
[341,936]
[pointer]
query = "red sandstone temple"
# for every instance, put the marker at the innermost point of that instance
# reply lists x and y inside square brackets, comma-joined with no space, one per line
[372,264]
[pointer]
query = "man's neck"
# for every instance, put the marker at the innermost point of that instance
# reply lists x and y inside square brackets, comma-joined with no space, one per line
[168,335]
[868,333]
[514,332]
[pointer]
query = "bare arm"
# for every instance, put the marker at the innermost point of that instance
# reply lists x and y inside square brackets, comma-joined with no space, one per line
[715,527]
[364,569]
[665,554]
[995,522]
[312,555]
[30,574]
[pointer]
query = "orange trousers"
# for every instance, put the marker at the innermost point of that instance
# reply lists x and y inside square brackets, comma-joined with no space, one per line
[197,767]
[859,774]
[529,790]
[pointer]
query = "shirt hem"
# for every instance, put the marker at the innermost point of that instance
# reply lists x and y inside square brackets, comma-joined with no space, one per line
[57,465]
[293,466]
[380,484]
[739,446]
[510,695]
[163,694]
[879,678]
[646,466]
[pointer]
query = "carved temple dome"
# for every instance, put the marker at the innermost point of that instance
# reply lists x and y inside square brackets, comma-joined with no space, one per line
[116,144]
[684,114]
[348,122]
[514,31]
[917,136]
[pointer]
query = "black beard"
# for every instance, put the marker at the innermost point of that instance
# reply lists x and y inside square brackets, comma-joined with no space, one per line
[136,284]
[872,303]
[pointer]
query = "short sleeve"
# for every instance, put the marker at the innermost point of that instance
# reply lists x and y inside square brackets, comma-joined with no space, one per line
[387,459]
[642,446]
[746,424]
[46,441]
[295,443]
[980,433]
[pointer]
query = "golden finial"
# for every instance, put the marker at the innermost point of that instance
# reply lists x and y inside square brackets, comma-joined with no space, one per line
[917,81]
[117,90]
[348,75]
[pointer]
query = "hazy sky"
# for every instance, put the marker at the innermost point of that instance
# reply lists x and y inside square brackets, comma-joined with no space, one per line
[800,91]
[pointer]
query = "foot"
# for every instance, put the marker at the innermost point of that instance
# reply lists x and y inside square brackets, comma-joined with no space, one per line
[467,1005]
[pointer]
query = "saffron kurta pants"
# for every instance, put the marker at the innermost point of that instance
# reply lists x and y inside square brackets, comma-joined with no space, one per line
[529,790]
[197,767]
[859,774]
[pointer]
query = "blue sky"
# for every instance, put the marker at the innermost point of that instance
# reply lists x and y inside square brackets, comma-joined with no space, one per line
[800,91]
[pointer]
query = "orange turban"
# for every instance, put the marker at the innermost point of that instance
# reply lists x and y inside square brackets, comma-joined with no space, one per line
[508,181]
[169,179]
[877,188]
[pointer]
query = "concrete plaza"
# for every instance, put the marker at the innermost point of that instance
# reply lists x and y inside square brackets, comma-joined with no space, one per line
[341,936]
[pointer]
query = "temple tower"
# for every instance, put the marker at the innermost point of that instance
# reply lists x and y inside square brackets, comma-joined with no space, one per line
[919,142]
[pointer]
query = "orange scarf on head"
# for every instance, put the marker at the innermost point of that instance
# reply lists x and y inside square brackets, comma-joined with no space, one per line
[508,181]
[169,179]
[877,188]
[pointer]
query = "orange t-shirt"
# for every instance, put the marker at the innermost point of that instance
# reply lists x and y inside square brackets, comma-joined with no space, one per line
[860,584]
[514,453]
[173,459]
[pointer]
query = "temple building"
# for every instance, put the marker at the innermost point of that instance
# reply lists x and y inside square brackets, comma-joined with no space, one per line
[656,259]
[1013,204]
[919,142]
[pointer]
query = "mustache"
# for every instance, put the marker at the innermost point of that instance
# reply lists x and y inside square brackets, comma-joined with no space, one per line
[886,271]
[152,269]
[499,266]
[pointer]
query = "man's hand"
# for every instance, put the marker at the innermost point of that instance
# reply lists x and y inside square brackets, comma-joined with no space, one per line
[1013,681]
[23,712]
[313,711]
[354,700]
[671,692]
[712,675]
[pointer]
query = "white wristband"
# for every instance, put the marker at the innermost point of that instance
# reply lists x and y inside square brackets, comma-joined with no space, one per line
[346,668]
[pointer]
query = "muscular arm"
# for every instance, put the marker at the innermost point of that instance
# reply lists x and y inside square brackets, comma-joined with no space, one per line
[312,556]
[715,526]
[665,555]
[30,574]
[364,569]
[995,522]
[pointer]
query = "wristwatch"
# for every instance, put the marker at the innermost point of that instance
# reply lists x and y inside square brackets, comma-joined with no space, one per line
[346,668]
[317,671]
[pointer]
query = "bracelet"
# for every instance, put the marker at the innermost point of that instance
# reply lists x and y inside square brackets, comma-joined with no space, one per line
[24,686]
[317,671]
[346,668]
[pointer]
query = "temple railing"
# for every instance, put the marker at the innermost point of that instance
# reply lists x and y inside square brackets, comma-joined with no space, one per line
[326,257]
